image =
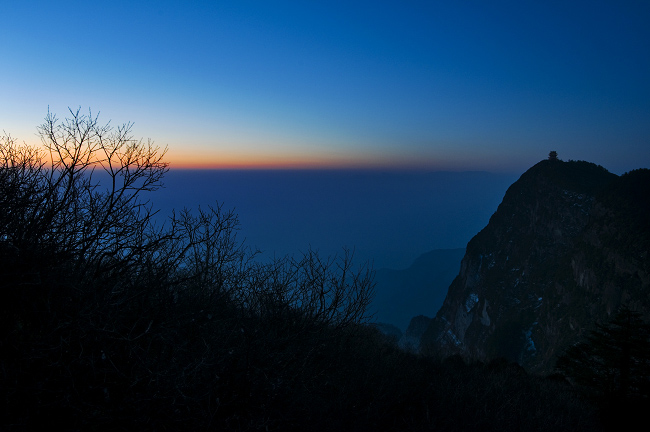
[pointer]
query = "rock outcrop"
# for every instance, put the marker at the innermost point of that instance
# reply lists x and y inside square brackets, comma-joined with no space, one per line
[410,341]
[566,247]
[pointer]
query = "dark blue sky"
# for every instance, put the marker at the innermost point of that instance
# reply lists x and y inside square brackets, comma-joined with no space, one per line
[439,84]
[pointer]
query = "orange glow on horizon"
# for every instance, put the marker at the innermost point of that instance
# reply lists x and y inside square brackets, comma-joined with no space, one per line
[282,160]
[271,164]
[282,163]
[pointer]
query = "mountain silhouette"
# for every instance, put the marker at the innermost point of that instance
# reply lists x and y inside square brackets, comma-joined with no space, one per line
[566,248]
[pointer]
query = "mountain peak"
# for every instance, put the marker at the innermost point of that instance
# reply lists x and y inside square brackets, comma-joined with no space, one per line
[553,260]
[578,176]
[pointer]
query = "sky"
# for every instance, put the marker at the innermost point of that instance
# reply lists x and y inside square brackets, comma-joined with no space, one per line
[441,85]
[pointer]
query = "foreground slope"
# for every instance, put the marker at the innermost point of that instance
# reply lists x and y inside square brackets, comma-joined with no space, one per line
[565,249]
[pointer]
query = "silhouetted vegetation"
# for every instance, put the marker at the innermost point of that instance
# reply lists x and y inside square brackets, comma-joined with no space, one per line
[578,176]
[612,366]
[629,213]
[111,322]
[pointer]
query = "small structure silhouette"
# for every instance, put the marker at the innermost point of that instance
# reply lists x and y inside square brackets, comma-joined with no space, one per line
[552,155]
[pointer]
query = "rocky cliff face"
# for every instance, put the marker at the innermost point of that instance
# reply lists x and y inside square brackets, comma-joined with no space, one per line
[566,247]
[411,339]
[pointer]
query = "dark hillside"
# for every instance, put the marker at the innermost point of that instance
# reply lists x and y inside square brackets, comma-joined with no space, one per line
[564,250]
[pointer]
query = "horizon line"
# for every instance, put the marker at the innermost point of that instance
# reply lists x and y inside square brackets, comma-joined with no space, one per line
[343,166]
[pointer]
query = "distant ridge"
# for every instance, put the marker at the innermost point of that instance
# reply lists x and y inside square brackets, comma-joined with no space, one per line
[402,294]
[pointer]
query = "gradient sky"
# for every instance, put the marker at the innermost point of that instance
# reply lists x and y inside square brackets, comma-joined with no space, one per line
[449,85]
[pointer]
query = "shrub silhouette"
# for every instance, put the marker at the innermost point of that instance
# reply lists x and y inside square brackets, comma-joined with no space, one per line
[102,308]
[614,361]
[613,366]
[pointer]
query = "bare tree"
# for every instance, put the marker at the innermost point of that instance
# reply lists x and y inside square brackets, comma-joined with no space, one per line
[96,298]
[55,206]
[324,290]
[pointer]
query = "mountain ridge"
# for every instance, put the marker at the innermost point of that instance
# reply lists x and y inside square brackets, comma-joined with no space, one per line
[565,249]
